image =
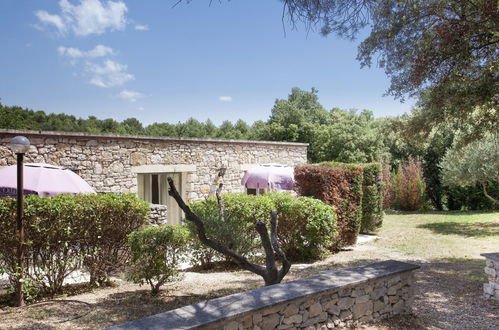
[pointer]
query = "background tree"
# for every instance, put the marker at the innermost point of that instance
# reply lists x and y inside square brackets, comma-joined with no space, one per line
[445,53]
[477,162]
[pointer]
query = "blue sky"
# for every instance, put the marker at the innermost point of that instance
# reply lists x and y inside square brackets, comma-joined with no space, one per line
[145,59]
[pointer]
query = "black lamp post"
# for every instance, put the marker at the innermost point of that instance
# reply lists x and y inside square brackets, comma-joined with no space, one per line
[20,145]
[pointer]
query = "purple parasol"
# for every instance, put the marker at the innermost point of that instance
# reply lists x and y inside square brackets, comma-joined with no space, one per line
[269,176]
[43,179]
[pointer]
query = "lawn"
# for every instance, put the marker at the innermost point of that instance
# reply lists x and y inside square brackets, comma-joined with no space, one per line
[448,291]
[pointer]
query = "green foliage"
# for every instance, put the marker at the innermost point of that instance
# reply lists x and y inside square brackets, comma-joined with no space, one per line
[338,185]
[156,254]
[465,198]
[372,209]
[235,231]
[67,232]
[443,52]
[475,163]
[306,227]
[332,135]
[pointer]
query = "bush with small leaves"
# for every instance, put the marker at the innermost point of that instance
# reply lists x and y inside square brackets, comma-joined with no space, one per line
[306,226]
[156,254]
[68,232]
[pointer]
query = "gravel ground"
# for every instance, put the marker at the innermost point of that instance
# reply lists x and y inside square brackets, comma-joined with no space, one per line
[448,295]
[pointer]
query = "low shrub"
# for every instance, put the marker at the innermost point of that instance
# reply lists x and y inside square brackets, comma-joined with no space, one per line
[337,186]
[235,231]
[156,254]
[66,232]
[306,227]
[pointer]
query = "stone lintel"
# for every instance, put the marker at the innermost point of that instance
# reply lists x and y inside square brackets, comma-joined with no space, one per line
[216,310]
[493,256]
[178,168]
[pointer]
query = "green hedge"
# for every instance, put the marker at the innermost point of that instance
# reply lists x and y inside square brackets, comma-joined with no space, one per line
[306,226]
[68,232]
[156,254]
[338,186]
[372,199]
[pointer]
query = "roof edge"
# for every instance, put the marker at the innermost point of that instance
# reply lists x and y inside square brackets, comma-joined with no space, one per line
[142,137]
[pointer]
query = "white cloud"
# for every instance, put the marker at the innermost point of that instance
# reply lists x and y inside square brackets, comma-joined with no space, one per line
[75,53]
[131,96]
[140,27]
[140,108]
[109,74]
[87,17]
[49,19]
[225,98]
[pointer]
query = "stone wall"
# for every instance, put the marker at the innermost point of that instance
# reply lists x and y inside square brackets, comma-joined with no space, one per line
[335,299]
[109,162]
[491,289]
[158,215]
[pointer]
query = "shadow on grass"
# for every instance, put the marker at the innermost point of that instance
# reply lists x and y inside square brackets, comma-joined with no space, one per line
[477,229]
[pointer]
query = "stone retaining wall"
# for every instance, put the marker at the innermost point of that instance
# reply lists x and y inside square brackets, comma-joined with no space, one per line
[110,162]
[491,289]
[335,299]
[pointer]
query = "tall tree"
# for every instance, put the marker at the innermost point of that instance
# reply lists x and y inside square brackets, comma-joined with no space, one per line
[445,53]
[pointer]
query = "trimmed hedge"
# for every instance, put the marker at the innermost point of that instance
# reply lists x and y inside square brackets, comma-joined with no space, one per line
[372,199]
[340,187]
[306,226]
[68,232]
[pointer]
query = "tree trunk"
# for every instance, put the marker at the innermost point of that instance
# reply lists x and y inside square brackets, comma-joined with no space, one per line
[484,187]
[269,273]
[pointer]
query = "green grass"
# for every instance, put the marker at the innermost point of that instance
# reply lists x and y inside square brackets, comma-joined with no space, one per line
[441,235]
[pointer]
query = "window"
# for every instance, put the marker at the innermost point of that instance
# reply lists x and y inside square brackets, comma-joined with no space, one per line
[153,188]
[259,191]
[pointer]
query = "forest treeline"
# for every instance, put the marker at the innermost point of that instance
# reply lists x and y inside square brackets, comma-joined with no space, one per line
[349,136]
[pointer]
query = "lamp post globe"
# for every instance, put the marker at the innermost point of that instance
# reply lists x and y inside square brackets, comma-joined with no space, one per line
[19,144]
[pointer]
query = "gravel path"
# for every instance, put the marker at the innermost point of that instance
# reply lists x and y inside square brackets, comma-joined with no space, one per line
[448,296]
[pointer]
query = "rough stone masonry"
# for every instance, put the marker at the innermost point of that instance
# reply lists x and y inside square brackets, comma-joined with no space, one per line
[110,162]
[491,289]
[335,299]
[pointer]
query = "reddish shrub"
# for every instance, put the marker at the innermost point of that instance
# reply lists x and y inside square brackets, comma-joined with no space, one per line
[339,187]
[408,186]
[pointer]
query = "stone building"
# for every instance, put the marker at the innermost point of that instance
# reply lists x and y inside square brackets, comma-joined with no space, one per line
[141,164]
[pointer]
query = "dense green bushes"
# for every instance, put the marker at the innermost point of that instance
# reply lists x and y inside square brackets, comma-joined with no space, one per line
[372,199]
[156,254]
[306,226]
[68,232]
[340,187]
[471,197]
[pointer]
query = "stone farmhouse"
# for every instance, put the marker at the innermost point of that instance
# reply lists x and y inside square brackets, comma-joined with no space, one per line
[141,164]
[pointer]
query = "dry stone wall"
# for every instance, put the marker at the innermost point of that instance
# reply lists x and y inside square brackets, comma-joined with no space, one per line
[106,161]
[336,299]
[491,289]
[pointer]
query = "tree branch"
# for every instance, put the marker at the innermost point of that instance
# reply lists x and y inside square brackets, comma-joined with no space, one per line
[484,187]
[189,215]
